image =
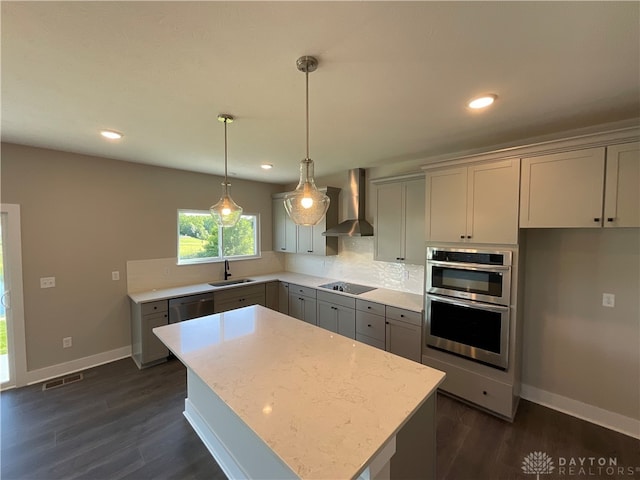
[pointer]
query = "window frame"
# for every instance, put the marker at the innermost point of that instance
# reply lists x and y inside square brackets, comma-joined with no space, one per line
[221,258]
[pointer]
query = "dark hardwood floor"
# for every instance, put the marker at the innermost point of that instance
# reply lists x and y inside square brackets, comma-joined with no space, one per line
[123,423]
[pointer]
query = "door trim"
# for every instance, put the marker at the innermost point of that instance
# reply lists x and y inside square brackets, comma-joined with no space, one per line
[16,335]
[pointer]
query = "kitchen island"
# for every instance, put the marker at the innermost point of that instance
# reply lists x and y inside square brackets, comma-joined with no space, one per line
[273,397]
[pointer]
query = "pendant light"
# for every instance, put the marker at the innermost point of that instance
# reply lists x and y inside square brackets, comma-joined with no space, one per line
[226,211]
[306,205]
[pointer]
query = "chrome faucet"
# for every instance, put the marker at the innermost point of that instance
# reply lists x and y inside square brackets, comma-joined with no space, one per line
[227,274]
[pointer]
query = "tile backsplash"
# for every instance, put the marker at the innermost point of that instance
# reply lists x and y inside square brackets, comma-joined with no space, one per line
[354,263]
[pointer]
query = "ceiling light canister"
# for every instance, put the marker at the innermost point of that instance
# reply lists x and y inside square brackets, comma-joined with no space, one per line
[266,166]
[482,102]
[111,134]
[306,205]
[226,211]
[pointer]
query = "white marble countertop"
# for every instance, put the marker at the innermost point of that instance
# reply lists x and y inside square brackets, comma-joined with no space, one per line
[394,298]
[324,403]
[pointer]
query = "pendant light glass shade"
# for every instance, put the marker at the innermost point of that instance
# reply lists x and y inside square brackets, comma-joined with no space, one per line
[306,205]
[226,211]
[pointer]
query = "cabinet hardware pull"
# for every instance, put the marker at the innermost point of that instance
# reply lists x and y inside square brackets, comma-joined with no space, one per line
[368,325]
[484,392]
[402,315]
[387,323]
[369,308]
[309,251]
[461,236]
[468,236]
[596,219]
[282,248]
[610,219]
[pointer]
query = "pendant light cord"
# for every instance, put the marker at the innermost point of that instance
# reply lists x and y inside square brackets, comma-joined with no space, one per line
[306,74]
[225,154]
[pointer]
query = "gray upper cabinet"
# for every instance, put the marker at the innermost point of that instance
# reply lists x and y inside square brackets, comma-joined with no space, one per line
[621,191]
[290,238]
[473,204]
[399,224]
[563,189]
[284,230]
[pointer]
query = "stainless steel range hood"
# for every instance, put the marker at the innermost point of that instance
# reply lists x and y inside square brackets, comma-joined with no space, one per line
[355,225]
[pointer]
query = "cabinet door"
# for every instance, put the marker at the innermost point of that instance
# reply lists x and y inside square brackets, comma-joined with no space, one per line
[492,202]
[284,230]
[305,239]
[404,339]
[283,298]
[328,316]
[346,321]
[389,234]
[562,190]
[414,249]
[271,294]
[621,197]
[302,308]
[446,205]
[152,348]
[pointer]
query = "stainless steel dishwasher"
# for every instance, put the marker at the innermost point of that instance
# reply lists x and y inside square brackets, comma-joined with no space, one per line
[192,306]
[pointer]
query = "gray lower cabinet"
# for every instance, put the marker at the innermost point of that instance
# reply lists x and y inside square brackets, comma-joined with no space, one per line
[239,297]
[370,323]
[146,348]
[302,303]
[272,297]
[283,298]
[337,313]
[404,333]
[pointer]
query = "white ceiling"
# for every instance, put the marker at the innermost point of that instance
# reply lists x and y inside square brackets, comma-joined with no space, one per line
[391,86]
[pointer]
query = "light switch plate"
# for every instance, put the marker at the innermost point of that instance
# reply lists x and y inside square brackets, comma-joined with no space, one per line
[115,275]
[608,300]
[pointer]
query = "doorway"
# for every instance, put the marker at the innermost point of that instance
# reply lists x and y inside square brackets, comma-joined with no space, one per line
[13,367]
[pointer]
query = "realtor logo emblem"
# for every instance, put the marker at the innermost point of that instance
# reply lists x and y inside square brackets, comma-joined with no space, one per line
[537,463]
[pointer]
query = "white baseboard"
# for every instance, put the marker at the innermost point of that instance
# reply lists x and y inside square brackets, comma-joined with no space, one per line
[54,371]
[599,416]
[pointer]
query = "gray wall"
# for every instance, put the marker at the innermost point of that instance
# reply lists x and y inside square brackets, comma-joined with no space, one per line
[573,346]
[84,217]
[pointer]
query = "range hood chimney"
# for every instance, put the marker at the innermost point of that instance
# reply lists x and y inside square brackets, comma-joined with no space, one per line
[355,225]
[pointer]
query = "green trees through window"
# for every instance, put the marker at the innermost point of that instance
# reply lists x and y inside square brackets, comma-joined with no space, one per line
[201,239]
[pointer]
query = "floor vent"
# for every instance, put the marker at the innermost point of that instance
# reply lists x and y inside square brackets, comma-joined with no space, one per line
[59,382]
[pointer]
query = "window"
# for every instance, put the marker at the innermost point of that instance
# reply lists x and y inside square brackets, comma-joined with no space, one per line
[201,239]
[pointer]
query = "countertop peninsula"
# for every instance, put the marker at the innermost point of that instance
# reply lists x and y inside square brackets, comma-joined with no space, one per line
[324,404]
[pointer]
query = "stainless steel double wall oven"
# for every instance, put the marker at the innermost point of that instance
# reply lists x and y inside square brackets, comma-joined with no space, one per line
[467,303]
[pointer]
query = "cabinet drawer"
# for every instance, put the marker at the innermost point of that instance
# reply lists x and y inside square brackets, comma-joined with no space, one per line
[370,325]
[374,342]
[154,307]
[300,290]
[371,307]
[483,391]
[239,292]
[402,315]
[336,299]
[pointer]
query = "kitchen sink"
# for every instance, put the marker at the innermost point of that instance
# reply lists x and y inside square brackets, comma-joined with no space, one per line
[352,288]
[225,283]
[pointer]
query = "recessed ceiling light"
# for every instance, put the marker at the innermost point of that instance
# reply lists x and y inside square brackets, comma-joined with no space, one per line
[482,102]
[111,134]
[266,166]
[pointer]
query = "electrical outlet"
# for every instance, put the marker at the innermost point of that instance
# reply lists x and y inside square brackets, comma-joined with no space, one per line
[115,275]
[406,274]
[608,300]
[47,282]
[67,342]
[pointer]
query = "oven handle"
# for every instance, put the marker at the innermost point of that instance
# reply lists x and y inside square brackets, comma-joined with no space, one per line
[469,304]
[470,266]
